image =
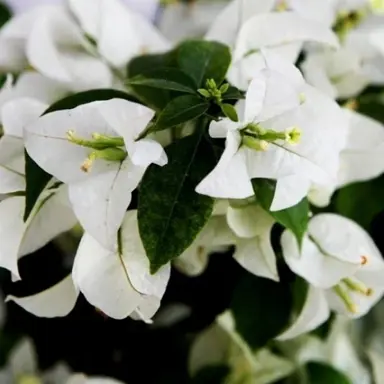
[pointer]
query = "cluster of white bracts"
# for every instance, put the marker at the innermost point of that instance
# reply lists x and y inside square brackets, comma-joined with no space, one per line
[313,147]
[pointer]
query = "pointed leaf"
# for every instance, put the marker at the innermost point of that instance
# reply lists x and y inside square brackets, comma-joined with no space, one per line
[294,218]
[170,212]
[181,110]
[204,60]
[319,373]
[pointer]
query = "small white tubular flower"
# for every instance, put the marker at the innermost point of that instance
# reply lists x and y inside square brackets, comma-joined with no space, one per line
[279,135]
[95,149]
[360,160]
[338,256]
[120,32]
[216,236]
[254,250]
[56,301]
[19,239]
[287,31]
[119,282]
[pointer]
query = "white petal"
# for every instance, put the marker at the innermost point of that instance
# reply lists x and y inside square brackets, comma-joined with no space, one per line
[46,142]
[148,151]
[23,359]
[290,191]
[342,242]
[255,98]
[272,29]
[55,48]
[11,232]
[256,255]
[249,221]
[135,258]
[52,216]
[220,129]
[56,301]
[11,181]
[16,114]
[126,118]
[101,201]
[11,148]
[146,309]
[314,313]
[101,275]
[230,178]
[228,23]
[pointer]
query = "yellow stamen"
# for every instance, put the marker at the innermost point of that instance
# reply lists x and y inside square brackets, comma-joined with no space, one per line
[348,302]
[357,287]
[364,260]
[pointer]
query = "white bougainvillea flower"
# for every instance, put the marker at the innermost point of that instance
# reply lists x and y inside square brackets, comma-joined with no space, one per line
[339,257]
[22,367]
[216,236]
[119,282]
[361,159]
[95,149]
[254,251]
[221,344]
[245,228]
[56,301]
[120,32]
[282,33]
[287,133]
[51,216]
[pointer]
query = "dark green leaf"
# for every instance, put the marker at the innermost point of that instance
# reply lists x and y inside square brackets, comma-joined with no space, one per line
[142,65]
[233,94]
[261,308]
[319,373]
[204,60]
[361,202]
[170,212]
[181,110]
[170,79]
[229,111]
[294,218]
[36,178]
[5,14]
[215,374]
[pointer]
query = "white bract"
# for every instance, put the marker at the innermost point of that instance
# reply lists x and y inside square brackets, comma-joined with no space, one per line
[51,216]
[120,33]
[119,282]
[361,159]
[288,131]
[96,149]
[340,260]
[222,344]
[248,229]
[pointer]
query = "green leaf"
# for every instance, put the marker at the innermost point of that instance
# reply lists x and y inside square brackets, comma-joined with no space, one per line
[229,111]
[36,178]
[293,218]
[204,60]
[142,65]
[361,202]
[233,94]
[170,212]
[261,308]
[319,373]
[181,110]
[170,79]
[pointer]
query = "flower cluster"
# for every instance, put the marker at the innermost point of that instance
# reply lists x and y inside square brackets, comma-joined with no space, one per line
[164,152]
